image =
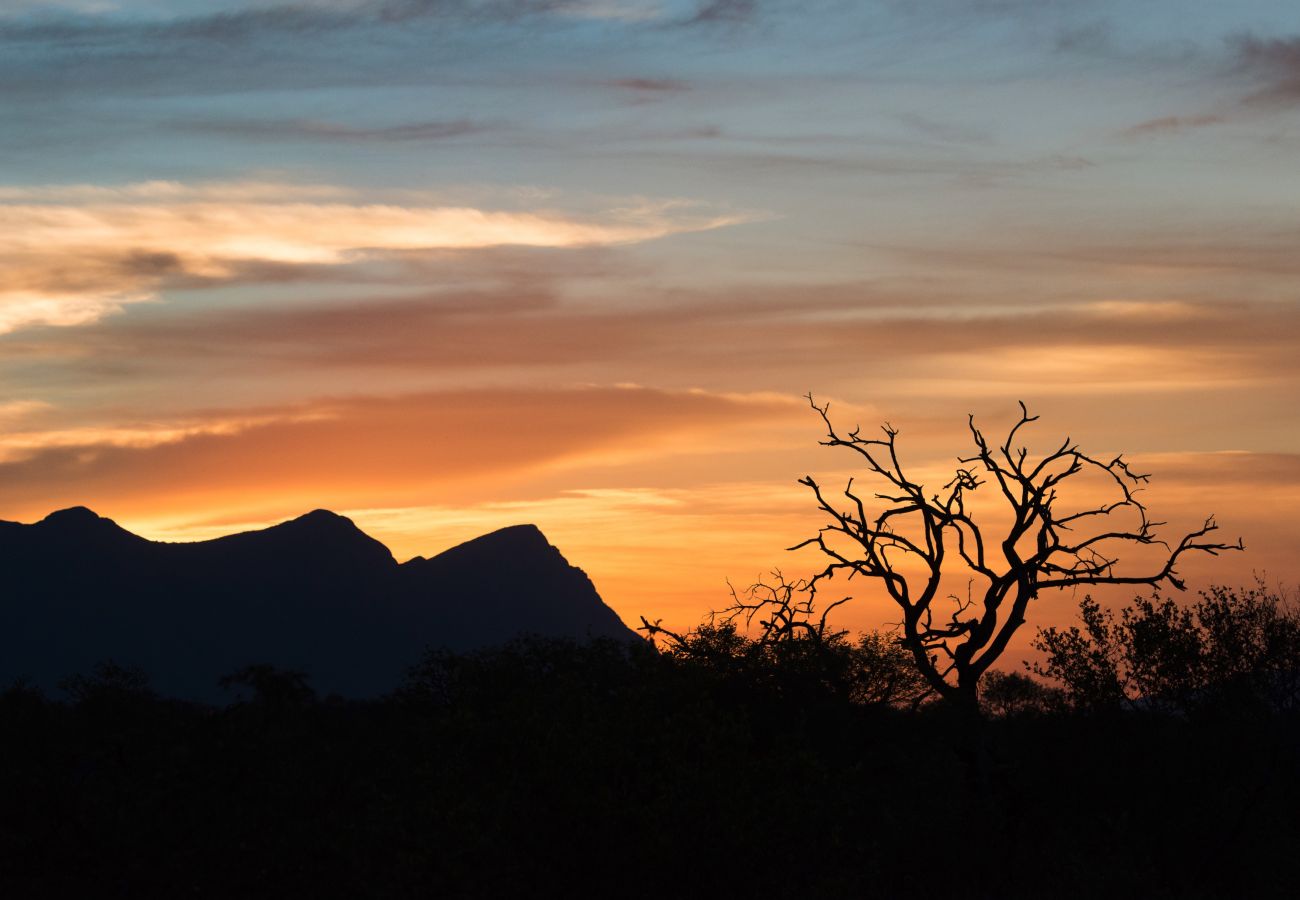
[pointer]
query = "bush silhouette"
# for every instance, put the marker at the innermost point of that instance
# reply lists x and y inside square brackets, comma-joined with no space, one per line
[1233,650]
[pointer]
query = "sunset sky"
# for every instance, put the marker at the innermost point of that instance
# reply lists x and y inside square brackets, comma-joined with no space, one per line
[445,266]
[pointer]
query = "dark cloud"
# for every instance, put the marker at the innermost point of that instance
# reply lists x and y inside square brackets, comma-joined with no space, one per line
[283,46]
[1092,39]
[71,59]
[303,20]
[1171,125]
[1274,64]
[723,12]
[944,132]
[912,156]
[1270,65]
[650,85]
[242,25]
[96,32]
[312,130]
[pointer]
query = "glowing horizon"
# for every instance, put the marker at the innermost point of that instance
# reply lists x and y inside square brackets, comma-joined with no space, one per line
[445,268]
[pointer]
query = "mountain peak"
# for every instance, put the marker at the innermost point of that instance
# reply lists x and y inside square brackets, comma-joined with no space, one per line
[321,524]
[505,543]
[323,518]
[73,515]
[517,534]
[77,523]
[319,531]
[80,520]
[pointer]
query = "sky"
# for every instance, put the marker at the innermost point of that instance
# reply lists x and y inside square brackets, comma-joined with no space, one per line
[445,266]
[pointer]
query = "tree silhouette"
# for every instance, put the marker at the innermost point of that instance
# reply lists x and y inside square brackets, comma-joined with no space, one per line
[1234,650]
[917,536]
[271,687]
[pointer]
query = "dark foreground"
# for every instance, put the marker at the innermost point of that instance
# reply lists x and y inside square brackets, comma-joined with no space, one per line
[550,766]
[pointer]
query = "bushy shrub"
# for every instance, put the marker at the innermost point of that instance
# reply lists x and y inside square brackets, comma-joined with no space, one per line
[1233,650]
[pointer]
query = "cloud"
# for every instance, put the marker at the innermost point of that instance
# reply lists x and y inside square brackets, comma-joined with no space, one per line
[72,57]
[1271,66]
[13,412]
[1090,39]
[305,19]
[18,445]
[723,12]
[919,342]
[650,85]
[165,191]
[376,450]
[1274,64]
[1171,125]
[72,261]
[614,10]
[313,130]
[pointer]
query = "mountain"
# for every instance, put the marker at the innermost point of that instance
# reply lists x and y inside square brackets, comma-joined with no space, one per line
[314,594]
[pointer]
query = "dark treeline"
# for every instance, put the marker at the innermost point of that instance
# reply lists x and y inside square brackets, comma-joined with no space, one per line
[721,767]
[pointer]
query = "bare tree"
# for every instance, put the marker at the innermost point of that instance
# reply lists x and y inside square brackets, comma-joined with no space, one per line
[917,536]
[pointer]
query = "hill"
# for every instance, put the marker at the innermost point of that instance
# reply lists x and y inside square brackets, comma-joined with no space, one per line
[315,594]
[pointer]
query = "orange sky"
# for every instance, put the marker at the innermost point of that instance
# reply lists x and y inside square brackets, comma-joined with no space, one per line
[435,276]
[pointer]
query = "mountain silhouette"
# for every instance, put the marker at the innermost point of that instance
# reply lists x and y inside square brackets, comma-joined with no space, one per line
[314,594]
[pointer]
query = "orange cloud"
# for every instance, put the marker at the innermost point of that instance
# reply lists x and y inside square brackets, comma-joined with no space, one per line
[757,339]
[377,451]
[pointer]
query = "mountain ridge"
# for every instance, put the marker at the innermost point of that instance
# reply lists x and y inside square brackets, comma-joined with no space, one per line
[314,593]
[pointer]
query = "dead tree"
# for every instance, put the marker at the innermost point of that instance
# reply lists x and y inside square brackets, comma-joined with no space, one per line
[917,537]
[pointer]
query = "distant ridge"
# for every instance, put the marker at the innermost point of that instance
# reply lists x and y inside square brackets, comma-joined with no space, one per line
[315,593]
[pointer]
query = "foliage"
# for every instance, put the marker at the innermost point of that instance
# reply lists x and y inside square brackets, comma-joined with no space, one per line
[1009,694]
[1234,649]
[108,683]
[269,686]
[795,652]
[870,671]
[549,768]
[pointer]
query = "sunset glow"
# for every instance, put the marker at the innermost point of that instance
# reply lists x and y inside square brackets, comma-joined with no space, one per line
[444,268]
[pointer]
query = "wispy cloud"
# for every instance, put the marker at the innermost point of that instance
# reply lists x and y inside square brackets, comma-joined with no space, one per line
[650,85]
[18,444]
[723,12]
[316,130]
[920,343]
[1172,125]
[125,242]
[373,449]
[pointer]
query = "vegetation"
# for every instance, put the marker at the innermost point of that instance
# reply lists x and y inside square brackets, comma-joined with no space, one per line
[794,654]
[723,765]
[1236,650]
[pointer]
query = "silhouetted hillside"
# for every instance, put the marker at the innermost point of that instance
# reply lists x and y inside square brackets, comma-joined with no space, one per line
[314,594]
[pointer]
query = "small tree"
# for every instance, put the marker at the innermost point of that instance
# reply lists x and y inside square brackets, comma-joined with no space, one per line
[915,537]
